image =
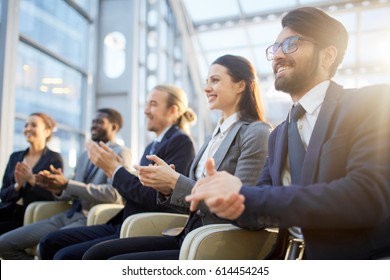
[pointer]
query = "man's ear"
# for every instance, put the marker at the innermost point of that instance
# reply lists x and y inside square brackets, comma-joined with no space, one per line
[174,109]
[115,127]
[329,55]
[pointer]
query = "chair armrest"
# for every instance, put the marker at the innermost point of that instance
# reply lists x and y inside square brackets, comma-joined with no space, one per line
[102,213]
[40,210]
[225,241]
[151,224]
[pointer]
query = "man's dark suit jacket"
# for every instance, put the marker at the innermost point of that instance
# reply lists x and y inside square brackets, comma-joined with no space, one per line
[176,148]
[29,194]
[343,203]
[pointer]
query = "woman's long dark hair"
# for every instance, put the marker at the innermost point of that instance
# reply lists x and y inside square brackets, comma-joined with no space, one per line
[240,69]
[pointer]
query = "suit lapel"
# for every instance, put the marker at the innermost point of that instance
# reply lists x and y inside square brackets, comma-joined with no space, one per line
[197,158]
[158,146]
[280,153]
[318,137]
[226,143]
[83,165]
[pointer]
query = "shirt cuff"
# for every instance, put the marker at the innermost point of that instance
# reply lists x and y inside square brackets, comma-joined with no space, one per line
[116,170]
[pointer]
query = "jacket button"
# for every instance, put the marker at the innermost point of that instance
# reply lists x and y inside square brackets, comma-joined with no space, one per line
[268,221]
[260,220]
[200,213]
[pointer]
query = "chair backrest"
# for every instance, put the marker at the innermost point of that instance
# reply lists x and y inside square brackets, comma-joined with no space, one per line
[102,213]
[40,210]
[225,241]
[151,224]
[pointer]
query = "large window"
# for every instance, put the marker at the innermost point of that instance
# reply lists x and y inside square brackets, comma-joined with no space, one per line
[51,74]
[58,27]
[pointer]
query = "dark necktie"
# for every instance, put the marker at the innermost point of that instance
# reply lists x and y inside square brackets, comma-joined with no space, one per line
[153,147]
[296,150]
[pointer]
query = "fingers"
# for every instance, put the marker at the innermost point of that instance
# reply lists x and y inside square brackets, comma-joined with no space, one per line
[89,144]
[210,167]
[172,166]
[194,205]
[54,170]
[230,207]
[156,159]
[105,147]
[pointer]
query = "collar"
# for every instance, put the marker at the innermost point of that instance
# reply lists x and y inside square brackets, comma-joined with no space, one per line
[224,125]
[161,136]
[314,97]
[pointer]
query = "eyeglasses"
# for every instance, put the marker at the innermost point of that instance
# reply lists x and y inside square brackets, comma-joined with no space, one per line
[289,45]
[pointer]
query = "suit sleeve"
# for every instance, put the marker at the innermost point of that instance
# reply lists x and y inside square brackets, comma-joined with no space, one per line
[353,185]
[8,193]
[95,192]
[179,151]
[252,152]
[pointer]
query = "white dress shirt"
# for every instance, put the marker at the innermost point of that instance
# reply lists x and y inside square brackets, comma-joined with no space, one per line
[215,142]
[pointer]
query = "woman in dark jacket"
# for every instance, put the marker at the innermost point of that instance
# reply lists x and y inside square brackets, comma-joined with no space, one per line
[19,187]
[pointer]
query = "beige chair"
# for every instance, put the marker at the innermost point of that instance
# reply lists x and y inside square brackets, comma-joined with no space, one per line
[40,210]
[102,213]
[221,241]
[151,224]
[99,214]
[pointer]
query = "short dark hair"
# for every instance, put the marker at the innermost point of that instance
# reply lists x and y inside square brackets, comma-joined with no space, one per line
[240,69]
[319,26]
[113,116]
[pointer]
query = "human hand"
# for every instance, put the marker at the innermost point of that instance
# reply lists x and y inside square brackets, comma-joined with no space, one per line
[220,192]
[23,174]
[53,180]
[160,176]
[103,157]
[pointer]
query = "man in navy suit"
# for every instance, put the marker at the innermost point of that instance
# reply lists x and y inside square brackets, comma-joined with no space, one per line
[167,115]
[341,198]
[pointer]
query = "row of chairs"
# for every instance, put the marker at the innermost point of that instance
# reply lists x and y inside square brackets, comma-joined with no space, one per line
[211,242]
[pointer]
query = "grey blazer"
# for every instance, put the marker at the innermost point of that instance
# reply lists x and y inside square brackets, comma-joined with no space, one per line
[242,153]
[92,186]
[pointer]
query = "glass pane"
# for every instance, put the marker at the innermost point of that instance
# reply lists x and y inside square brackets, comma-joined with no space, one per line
[84,4]
[253,6]
[201,10]
[114,54]
[375,19]
[43,84]
[56,26]
[231,38]
[374,49]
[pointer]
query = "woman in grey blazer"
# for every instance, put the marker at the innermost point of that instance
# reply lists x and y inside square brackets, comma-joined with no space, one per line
[238,145]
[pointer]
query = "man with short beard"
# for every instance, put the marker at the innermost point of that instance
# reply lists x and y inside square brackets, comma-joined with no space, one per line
[90,186]
[330,185]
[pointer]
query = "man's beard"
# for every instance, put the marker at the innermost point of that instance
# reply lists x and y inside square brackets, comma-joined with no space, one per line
[299,79]
[102,136]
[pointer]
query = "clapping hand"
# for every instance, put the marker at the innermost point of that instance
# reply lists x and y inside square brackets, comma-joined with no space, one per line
[220,192]
[160,176]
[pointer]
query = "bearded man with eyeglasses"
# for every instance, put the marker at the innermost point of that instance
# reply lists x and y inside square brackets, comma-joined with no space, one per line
[337,199]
